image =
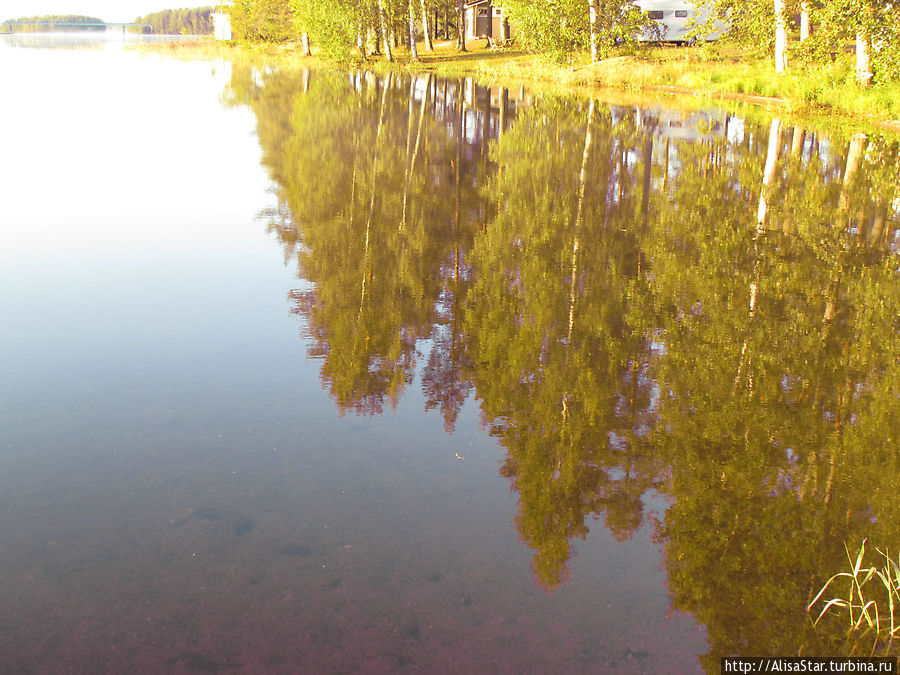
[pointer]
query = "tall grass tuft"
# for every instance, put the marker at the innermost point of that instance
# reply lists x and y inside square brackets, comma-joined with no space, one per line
[871,602]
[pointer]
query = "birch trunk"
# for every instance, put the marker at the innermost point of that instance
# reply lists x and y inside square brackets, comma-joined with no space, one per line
[854,155]
[361,42]
[804,20]
[411,162]
[304,39]
[780,38]
[793,174]
[797,142]
[426,34]
[648,174]
[385,34]
[873,237]
[863,68]
[413,51]
[769,175]
[582,183]
[592,13]
[365,277]
[504,101]
[461,26]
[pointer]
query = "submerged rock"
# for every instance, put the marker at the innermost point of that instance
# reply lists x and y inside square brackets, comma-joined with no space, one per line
[236,522]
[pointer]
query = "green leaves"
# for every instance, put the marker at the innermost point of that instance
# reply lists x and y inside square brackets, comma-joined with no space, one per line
[176,21]
[835,25]
[871,627]
[558,27]
[261,20]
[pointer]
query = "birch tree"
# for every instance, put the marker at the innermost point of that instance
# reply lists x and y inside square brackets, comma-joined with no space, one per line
[385,34]
[804,20]
[780,37]
[426,33]
[461,26]
[413,52]
[559,27]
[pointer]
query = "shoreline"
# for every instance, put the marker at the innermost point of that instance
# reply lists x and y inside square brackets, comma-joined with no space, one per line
[634,76]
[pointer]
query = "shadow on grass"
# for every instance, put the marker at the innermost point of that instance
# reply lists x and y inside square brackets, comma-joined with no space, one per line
[477,54]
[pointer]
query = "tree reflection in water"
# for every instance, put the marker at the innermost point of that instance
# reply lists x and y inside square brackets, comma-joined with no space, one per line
[695,305]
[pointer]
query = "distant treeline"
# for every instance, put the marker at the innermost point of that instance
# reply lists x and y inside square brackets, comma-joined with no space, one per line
[196,21]
[51,22]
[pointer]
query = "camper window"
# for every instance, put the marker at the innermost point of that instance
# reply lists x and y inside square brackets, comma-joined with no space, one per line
[680,13]
[655,14]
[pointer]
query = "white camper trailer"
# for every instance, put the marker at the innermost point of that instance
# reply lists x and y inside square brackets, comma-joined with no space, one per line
[674,20]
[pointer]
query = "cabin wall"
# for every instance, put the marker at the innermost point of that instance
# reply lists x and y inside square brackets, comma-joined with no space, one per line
[486,20]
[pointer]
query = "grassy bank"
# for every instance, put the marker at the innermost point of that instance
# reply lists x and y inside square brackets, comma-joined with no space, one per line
[707,72]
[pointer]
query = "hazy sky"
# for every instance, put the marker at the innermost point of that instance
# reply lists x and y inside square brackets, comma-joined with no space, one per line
[108,10]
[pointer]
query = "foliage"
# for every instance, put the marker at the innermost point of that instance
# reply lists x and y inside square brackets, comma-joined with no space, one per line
[196,21]
[341,29]
[553,360]
[751,23]
[20,25]
[836,23]
[839,21]
[331,24]
[261,20]
[559,27]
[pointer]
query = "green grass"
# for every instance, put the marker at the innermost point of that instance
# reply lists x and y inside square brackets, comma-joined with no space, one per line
[720,70]
[869,605]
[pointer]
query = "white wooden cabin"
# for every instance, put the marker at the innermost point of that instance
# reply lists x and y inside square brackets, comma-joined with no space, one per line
[486,19]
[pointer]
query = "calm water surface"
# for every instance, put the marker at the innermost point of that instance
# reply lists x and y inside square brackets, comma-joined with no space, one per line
[335,373]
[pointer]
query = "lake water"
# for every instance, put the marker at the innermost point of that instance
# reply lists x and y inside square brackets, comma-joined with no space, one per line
[330,372]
